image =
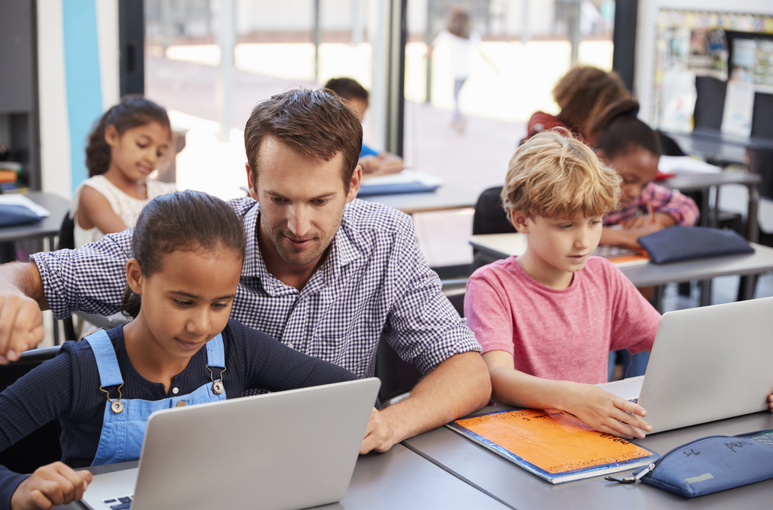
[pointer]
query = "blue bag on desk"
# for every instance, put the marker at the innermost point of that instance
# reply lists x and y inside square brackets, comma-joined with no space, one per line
[686,243]
[11,215]
[711,464]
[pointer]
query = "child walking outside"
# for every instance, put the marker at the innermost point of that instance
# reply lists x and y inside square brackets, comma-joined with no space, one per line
[181,347]
[547,320]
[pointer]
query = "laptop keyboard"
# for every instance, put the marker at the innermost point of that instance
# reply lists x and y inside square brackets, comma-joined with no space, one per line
[634,400]
[119,503]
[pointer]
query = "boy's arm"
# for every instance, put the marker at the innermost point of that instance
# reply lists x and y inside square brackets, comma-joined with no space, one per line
[21,300]
[597,408]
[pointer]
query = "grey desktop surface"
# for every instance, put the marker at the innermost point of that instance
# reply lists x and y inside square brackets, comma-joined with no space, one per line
[444,198]
[396,479]
[728,153]
[524,491]
[690,181]
[49,227]
[643,275]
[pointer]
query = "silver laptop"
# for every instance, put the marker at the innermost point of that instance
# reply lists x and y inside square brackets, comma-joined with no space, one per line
[707,364]
[292,449]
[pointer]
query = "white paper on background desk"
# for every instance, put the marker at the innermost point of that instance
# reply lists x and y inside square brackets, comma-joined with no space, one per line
[404,177]
[680,164]
[26,202]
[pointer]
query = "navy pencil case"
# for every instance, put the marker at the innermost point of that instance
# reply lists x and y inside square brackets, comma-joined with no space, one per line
[685,243]
[11,215]
[710,464]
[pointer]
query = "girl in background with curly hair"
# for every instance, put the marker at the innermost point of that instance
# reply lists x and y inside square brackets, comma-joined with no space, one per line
[124,147]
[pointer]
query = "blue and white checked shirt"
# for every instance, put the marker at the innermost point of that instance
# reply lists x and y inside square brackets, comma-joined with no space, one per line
[374,279]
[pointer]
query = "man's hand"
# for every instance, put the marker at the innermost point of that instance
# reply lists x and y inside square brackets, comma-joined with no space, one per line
[21,325]
[606,412]
[21,300]
[379,435]
[54,484]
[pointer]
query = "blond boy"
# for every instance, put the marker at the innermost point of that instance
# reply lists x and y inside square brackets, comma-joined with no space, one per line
[548,319]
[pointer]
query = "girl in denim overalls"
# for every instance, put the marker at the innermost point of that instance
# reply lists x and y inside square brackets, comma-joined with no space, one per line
[180,350]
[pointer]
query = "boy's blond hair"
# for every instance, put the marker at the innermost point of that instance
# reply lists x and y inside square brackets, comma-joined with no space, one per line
[556,176]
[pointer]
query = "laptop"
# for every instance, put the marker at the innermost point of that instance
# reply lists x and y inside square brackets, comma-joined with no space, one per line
[707,364]
[285,450]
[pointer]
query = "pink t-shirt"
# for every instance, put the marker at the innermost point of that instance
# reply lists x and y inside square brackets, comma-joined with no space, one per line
[565,334]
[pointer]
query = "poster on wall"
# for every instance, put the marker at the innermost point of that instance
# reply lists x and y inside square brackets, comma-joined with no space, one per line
[739,102]
[696,42]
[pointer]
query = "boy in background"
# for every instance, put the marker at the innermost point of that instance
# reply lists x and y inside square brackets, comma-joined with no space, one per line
[372,161]
[548,319]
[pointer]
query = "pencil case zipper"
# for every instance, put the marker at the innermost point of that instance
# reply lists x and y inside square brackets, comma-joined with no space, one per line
[651,467]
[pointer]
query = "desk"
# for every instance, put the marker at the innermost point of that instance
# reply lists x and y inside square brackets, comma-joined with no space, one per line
[396,479]
[694,181]
[524,491]
[719,147]
[48,228]
[644,275]
[444,198]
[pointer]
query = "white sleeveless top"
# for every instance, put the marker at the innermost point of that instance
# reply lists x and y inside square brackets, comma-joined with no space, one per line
[126,207]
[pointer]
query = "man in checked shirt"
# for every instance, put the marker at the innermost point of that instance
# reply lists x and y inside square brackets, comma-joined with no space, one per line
[324,273]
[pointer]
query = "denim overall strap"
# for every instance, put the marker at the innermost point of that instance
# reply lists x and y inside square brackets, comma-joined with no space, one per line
[123,433]
[107,363]
[215,352]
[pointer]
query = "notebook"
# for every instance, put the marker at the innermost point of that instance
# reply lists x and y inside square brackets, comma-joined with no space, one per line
[554,445]
[707,364]
[291,449]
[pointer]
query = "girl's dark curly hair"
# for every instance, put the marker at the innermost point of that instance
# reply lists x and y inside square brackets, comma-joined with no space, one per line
[131,112]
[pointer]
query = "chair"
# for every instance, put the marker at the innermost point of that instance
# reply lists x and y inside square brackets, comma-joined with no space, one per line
[42,446]
[398,377]
[67,241]
[489,218]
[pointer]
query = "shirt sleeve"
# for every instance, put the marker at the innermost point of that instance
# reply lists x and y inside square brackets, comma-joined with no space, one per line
[489,314]
[634,320]
[40,396]
[90,279]
[271,365]
[9,481]
[680,207]
[422,326]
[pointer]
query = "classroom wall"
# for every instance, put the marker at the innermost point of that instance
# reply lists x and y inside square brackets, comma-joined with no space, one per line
[646,32]
[78,58]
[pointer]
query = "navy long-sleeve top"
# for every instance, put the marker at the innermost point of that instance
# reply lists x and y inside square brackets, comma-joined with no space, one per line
[67,388]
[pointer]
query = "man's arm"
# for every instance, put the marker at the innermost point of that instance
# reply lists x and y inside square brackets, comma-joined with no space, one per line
[21,300]
[458,386]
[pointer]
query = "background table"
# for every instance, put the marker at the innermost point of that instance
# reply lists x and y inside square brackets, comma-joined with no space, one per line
[444,198]
[46,229]
[396,479]
[524,491]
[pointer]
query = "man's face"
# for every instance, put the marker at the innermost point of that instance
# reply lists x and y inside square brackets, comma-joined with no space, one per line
[301,200]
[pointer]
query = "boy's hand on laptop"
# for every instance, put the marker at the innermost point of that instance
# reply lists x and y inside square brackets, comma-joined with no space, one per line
[379,435]
[54,484]
[606,412]
[21,325]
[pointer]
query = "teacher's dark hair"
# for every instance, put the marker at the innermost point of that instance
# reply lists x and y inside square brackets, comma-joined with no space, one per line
[184,220]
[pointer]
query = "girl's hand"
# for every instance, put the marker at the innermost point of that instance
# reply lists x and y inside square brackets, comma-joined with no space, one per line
[54,484]
[662,220]
[770,403]
[606,412]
